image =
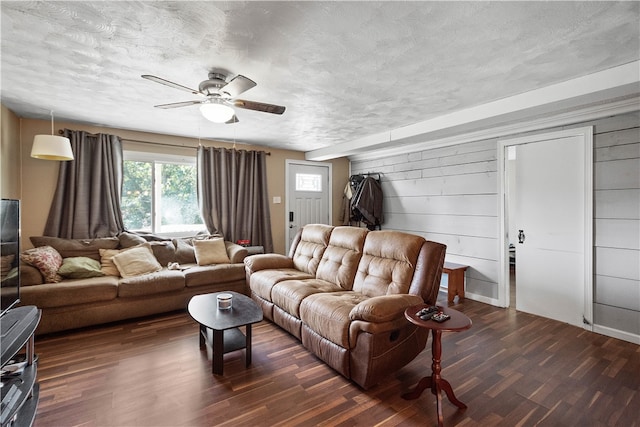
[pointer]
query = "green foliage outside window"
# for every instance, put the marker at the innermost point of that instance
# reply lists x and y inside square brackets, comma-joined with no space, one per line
[175,197]
[136,196]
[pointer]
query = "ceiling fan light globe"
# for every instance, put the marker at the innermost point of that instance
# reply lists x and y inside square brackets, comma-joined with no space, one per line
[217,113]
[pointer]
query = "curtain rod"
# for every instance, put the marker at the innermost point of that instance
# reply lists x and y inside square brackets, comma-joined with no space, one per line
[268,153]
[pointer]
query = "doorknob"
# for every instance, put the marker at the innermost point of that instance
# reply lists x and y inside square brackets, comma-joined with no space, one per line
[521,236]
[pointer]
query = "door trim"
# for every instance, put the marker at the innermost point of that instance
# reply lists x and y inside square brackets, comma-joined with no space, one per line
[288,163]
[586,133]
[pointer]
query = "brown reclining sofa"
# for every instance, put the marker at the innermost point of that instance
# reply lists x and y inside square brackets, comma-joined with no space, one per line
[342,291]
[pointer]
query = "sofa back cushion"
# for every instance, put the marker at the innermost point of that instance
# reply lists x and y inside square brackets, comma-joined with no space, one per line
[388,262]
[76,247]
[340,260]
[311,246]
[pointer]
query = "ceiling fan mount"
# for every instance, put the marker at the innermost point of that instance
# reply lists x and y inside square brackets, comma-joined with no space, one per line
[213,85]
[216,90]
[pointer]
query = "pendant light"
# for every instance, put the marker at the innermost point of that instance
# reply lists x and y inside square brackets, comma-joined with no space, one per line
[51,147]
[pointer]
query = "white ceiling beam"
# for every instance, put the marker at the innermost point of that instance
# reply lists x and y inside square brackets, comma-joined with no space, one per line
[611,84]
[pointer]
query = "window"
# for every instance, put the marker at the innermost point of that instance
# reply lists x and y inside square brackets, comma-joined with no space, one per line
[159,194]
[308,182]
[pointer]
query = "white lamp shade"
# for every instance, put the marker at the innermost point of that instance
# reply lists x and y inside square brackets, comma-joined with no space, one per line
[216,112]
[51,147]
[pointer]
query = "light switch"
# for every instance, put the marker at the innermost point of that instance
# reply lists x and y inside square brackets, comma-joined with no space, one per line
[276,200]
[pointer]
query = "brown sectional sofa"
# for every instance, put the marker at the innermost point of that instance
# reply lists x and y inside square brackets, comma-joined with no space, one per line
[342,291]
[74,303]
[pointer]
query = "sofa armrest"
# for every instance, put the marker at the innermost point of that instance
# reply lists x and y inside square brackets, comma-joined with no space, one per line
[30,275]
[259,262]
[236,253]
[384,308]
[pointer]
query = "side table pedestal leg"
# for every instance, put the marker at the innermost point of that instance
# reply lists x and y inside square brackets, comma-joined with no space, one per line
[435,382]
[423,384]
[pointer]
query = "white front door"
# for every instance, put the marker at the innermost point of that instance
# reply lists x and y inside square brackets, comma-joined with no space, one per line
[308,196]
[552,218]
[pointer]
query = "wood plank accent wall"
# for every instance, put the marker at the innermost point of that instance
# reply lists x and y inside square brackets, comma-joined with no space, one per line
[617,223]
[450,195]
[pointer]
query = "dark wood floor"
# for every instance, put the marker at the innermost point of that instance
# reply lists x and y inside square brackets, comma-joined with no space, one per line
[510,368]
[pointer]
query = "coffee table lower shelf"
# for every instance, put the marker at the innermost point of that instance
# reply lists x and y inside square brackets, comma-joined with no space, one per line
[230,340]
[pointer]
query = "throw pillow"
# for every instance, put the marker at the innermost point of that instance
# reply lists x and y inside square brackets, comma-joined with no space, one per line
[47,260]
[106,261]
[80,268]
[212,251]
[136,261]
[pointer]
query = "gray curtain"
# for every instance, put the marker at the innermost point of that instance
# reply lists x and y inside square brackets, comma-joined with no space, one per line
[86,203]
[232,193]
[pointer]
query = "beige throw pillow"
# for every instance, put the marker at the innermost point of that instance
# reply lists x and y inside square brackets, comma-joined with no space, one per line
[106,259]
[136,261]
[211,251]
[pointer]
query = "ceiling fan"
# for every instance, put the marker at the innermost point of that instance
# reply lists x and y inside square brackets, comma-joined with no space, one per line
[219,97]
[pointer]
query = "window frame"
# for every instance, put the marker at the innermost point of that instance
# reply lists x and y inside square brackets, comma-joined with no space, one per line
[161,158]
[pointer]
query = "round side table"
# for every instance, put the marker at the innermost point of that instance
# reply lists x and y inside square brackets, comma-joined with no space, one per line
[456,323]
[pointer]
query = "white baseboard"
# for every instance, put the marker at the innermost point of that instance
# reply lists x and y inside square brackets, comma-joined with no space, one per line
[483,299]
[602,330]
[615,333]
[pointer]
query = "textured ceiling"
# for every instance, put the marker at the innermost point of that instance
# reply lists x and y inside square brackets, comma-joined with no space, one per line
[344,70]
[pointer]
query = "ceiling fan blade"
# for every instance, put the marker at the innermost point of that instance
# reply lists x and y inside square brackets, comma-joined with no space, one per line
[236,86]
[258,106]
[232,120]
[170,84]
[178,104]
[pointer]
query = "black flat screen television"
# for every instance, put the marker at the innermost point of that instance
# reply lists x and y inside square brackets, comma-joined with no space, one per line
[9,254]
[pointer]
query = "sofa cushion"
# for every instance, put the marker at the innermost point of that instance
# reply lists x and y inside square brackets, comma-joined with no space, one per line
[30,275]
[6,264]
[76,247]
[236,252]
[261,282]
[80,267]
[288,295]
[340,260]
[46,259]
[201,275]
[150,284]
[309,251]
[388,263]
[164,252]
[136,261]
[128,240]
[70,292]
[328,314]
[185,254]
[211,251]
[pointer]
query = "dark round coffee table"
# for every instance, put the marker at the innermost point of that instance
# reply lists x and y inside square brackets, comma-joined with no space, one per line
[224,325]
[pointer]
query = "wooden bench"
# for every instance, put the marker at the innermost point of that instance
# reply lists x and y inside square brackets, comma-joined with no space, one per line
[455,273]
